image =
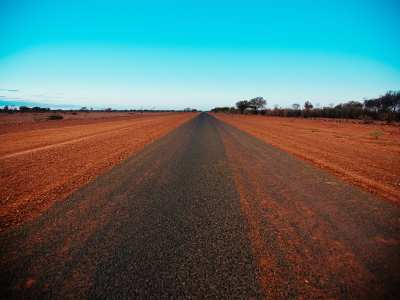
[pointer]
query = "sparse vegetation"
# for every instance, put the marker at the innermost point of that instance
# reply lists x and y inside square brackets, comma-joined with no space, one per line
[254,104]
[391,131]
[366,119]
[376,133]
[385,108]
[55,117]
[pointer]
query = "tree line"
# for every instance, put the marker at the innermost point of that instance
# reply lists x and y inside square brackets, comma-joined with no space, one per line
[11,109]
[385,108]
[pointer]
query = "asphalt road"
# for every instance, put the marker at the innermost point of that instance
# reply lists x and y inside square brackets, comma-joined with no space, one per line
[207,211]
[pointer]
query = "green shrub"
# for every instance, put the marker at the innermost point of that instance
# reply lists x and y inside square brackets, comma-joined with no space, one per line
[376,133]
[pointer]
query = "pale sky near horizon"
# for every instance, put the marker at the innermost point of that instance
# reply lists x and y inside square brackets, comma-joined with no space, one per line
[198,54]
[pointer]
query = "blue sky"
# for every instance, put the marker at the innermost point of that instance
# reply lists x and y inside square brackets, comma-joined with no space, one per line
[198,54]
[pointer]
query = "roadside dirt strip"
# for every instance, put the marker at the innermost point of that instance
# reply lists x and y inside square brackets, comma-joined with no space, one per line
[340,148]
[208,211]
[43,162]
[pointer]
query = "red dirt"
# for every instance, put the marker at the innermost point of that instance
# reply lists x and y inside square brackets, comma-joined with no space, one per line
[43,161]
[341,148]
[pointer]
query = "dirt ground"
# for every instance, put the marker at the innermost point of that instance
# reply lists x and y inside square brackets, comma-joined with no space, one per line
[42,161]
[339,147]
[22,121]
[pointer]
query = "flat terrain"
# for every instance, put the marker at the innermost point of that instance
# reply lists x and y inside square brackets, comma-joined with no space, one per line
[208,211]
[19,119]
[339,147]
[43,161]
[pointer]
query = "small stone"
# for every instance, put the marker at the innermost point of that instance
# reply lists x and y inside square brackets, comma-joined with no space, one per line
[30,282]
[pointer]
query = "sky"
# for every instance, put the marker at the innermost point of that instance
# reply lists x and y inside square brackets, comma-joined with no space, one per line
[197,54]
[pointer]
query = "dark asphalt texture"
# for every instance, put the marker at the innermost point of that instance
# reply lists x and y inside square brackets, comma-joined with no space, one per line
[207,211]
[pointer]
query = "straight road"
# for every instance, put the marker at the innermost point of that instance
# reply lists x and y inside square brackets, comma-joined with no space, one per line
[207,211]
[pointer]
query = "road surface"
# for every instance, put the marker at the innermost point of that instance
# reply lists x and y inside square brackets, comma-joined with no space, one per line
[207,211]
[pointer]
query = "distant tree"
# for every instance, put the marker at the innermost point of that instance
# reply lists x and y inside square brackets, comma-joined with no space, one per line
[308,105]
[385,106]
[24,108]
[296,106]
[306,112]
[37,108]
[296,110]
[372,104]
[232,110]
[288,112]
[389,103]
[276,110]
[224,109]
[257,103]
[354,104]
[242,105]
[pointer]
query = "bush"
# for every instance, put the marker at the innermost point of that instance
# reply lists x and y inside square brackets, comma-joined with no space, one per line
[366,119]
[305,113]
[376,134]
[55,117]
[288,112]
[233,110]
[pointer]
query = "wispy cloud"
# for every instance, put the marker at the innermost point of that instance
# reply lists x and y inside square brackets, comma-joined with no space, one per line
[41,104]
[13,90]
[44,96]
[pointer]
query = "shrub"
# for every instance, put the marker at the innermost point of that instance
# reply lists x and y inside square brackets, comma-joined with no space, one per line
[55,117]
[305,113]
[391,131]
[233,110]
[366,119]
[288,112]
[376,134]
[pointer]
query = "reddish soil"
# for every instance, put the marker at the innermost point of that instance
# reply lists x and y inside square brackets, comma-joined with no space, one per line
[43,161]
[341,148]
